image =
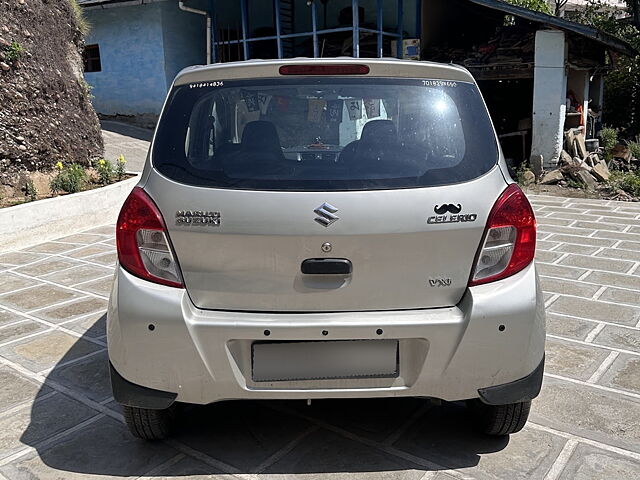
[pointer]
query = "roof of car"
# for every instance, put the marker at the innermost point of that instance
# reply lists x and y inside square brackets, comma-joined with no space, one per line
[380,67]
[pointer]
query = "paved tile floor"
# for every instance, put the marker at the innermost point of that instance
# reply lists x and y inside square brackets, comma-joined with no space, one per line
[58,420]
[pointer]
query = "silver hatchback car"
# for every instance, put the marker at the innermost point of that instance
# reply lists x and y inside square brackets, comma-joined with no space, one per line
[329,228]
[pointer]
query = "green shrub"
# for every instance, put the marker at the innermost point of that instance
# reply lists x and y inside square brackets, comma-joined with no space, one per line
[627,181]
[70,179]
[105,172]
[30,191]
[86,90]
[520,171]
[634,148]
[573,183]
[13,52]
[608,139]
[120,170]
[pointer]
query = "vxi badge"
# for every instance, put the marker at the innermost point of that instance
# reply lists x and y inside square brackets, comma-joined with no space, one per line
[454,217]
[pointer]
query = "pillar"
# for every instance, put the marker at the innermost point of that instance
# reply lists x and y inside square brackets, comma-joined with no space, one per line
[549,96]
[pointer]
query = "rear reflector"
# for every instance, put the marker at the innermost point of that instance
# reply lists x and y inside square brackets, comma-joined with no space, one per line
[509,242]
[324,70]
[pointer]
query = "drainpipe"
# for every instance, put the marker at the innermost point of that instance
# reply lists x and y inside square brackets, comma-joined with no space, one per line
[205,13]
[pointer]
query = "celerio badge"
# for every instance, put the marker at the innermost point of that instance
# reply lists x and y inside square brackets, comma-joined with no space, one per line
[454,217]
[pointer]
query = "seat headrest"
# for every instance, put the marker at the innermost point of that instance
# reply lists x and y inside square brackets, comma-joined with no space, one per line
[260,134]
[379,131]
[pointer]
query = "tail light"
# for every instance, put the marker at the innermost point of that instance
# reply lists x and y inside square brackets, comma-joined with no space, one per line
[509,242]
[142,242]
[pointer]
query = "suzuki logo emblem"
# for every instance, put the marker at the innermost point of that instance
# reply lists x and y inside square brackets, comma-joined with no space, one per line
[326,214]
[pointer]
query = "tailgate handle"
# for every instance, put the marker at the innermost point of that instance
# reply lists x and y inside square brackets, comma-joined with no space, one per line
[326,266]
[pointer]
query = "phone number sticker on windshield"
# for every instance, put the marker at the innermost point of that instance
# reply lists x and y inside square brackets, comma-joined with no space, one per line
[218,83]
[439,83]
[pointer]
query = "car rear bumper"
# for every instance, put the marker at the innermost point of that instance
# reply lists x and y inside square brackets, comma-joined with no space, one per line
[491,345]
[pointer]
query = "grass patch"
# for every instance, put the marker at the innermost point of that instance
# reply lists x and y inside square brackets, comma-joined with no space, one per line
[13,52]
[81,21]
[627,181]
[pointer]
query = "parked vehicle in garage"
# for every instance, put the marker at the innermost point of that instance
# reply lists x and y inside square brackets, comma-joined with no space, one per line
[328,228]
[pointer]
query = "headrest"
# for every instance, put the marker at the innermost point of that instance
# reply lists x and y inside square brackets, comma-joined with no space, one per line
[379,131]
[261,134]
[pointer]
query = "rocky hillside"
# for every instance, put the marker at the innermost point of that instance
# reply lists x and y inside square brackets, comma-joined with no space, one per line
[45,110]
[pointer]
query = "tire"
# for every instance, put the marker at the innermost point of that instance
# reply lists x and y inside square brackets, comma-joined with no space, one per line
[500,420]
[149,424]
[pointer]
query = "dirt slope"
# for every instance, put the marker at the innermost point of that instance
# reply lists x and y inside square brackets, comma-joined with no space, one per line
[45,110]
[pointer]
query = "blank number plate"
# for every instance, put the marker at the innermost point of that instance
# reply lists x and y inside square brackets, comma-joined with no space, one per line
[286,361]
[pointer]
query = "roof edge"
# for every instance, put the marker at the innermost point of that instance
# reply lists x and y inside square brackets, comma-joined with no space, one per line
[611,41]
[95,4]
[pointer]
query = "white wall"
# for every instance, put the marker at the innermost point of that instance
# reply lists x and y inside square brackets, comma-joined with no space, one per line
[549,95]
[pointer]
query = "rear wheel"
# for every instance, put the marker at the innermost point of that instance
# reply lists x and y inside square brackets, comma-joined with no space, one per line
[150,424]
[499,419]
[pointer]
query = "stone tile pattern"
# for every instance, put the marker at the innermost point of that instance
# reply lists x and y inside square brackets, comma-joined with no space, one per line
[58,419]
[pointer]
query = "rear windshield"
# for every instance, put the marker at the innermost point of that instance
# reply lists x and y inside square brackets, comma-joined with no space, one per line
[324,134]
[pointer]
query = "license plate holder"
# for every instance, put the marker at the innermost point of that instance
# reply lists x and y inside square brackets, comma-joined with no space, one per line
[324,360]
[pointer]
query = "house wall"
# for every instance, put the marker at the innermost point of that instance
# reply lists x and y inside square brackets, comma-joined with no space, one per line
[184,39]
[133,79]
[549,95]
[142,48]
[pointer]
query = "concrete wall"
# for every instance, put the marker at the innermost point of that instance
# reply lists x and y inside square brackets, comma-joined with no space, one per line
[133,79]
[549,95]
[142,47]
[31,223]
[184,39]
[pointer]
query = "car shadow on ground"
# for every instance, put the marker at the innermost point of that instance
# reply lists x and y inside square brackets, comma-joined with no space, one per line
[275,437]
[133,131]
